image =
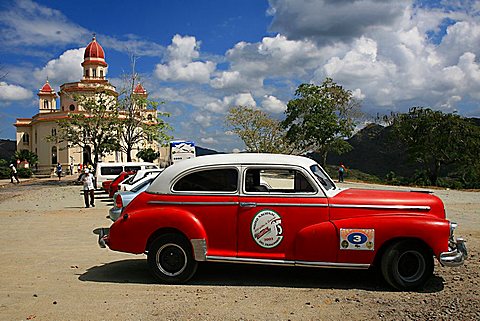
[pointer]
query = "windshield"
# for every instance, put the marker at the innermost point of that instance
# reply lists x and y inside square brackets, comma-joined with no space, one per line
[322,177]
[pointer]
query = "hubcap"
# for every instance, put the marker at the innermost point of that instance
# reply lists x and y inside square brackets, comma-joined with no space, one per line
[171,259]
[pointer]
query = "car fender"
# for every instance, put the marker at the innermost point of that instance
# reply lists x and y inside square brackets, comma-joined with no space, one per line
[142,226]
[434,233]
[317,243]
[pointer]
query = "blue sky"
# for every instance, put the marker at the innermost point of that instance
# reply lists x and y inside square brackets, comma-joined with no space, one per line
[202,57]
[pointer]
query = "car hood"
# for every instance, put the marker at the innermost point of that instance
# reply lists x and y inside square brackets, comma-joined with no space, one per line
[359,202]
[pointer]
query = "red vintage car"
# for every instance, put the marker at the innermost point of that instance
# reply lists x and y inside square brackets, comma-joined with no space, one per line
[281,210]
[106,185]
[113,188]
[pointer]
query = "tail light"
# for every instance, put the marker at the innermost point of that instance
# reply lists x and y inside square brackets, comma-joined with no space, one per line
[118,201]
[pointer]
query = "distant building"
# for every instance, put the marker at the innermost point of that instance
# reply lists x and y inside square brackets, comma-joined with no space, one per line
[32,132]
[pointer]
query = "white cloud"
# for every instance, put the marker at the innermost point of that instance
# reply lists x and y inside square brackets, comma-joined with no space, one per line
[273,104]
[67,68]
[204,120]
[13,92]
[220,106]
[28,23]
[208,140]
[180,65]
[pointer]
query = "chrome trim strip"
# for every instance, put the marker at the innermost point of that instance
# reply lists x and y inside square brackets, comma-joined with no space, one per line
[293,204]
[199,249]
[228,259]
[286,262]
[238,203]
[192,203]
[381,207]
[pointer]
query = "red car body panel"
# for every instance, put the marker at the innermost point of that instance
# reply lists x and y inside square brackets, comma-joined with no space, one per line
[226,228]
[114,185]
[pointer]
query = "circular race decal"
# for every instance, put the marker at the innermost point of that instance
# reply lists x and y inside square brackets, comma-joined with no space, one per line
[267,229]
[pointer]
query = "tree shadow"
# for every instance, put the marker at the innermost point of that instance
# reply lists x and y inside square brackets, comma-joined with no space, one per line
[226,274]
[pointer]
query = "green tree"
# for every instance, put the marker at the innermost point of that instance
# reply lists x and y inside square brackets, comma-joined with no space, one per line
[320,118]
[148,154]
[139,118]
[435,140]
[96,126]
[259,132]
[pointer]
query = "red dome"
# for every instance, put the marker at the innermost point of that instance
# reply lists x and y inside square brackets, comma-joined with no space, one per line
[139,89]
[46,88]
[94,50]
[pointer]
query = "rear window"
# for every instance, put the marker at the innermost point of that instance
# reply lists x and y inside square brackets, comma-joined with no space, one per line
[142,185]
[213,180]
[111,170]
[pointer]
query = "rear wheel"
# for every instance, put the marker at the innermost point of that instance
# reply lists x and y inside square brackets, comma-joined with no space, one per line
[407,265]
[170,259]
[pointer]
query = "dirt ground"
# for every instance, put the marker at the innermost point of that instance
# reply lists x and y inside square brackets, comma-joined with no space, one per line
[51,268]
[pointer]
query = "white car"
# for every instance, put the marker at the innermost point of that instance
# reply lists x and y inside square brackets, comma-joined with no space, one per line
[140,176]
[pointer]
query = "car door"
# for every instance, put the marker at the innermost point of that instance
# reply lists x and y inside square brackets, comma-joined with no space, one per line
[283,215]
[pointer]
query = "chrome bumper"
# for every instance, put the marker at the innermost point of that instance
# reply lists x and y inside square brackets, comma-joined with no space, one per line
[457,254]
[102,233]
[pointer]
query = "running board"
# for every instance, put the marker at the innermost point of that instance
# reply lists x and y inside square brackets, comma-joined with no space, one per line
[286,262]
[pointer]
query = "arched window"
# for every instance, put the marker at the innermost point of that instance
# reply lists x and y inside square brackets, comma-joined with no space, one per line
[26,138]
[101,73]
[54,154]
[54,132]
[94,73]
[45,104]
[86,73]
[72,107]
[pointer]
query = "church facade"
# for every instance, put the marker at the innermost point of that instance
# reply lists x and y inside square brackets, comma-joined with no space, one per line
[32,133]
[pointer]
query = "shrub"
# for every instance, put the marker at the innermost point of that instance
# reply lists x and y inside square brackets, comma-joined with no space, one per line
[25,172]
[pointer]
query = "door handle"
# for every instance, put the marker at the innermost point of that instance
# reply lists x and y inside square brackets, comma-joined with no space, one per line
[245,204]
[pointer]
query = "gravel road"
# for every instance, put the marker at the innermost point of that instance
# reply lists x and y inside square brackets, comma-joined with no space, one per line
[52,269]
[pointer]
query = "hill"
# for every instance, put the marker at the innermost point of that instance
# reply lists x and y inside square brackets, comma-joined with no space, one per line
[376,154]
[7,148]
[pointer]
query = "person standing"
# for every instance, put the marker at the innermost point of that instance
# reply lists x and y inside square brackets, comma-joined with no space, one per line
[88,189]
[59,170]
[13,174]
[341,172]
[71,168]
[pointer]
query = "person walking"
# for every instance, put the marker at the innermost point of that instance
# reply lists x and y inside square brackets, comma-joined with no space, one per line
[88,189]
[59,170]
[13,174]
[341,172]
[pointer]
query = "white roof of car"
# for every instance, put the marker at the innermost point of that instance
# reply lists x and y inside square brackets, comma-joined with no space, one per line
[163,181]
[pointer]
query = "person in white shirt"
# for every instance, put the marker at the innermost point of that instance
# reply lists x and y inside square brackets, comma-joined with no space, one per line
[13,173]
[88,188]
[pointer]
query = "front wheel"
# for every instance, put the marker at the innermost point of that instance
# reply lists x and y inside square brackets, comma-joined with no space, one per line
[170,259]
[407,265]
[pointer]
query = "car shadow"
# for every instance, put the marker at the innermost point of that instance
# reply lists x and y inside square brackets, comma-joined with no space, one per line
[136,271]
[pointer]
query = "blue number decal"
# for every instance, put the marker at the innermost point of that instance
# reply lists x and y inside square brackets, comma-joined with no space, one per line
[357,238]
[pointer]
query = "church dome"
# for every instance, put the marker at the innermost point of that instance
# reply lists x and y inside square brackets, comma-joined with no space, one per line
[46,88]
[94,50]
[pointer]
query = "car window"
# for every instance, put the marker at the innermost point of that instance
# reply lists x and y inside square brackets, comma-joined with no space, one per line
[213,180]
[322,177]
[266,180]
[132,168]
[111,170]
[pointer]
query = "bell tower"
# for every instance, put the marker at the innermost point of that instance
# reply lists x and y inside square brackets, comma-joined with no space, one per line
[94,64]
[47,102]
